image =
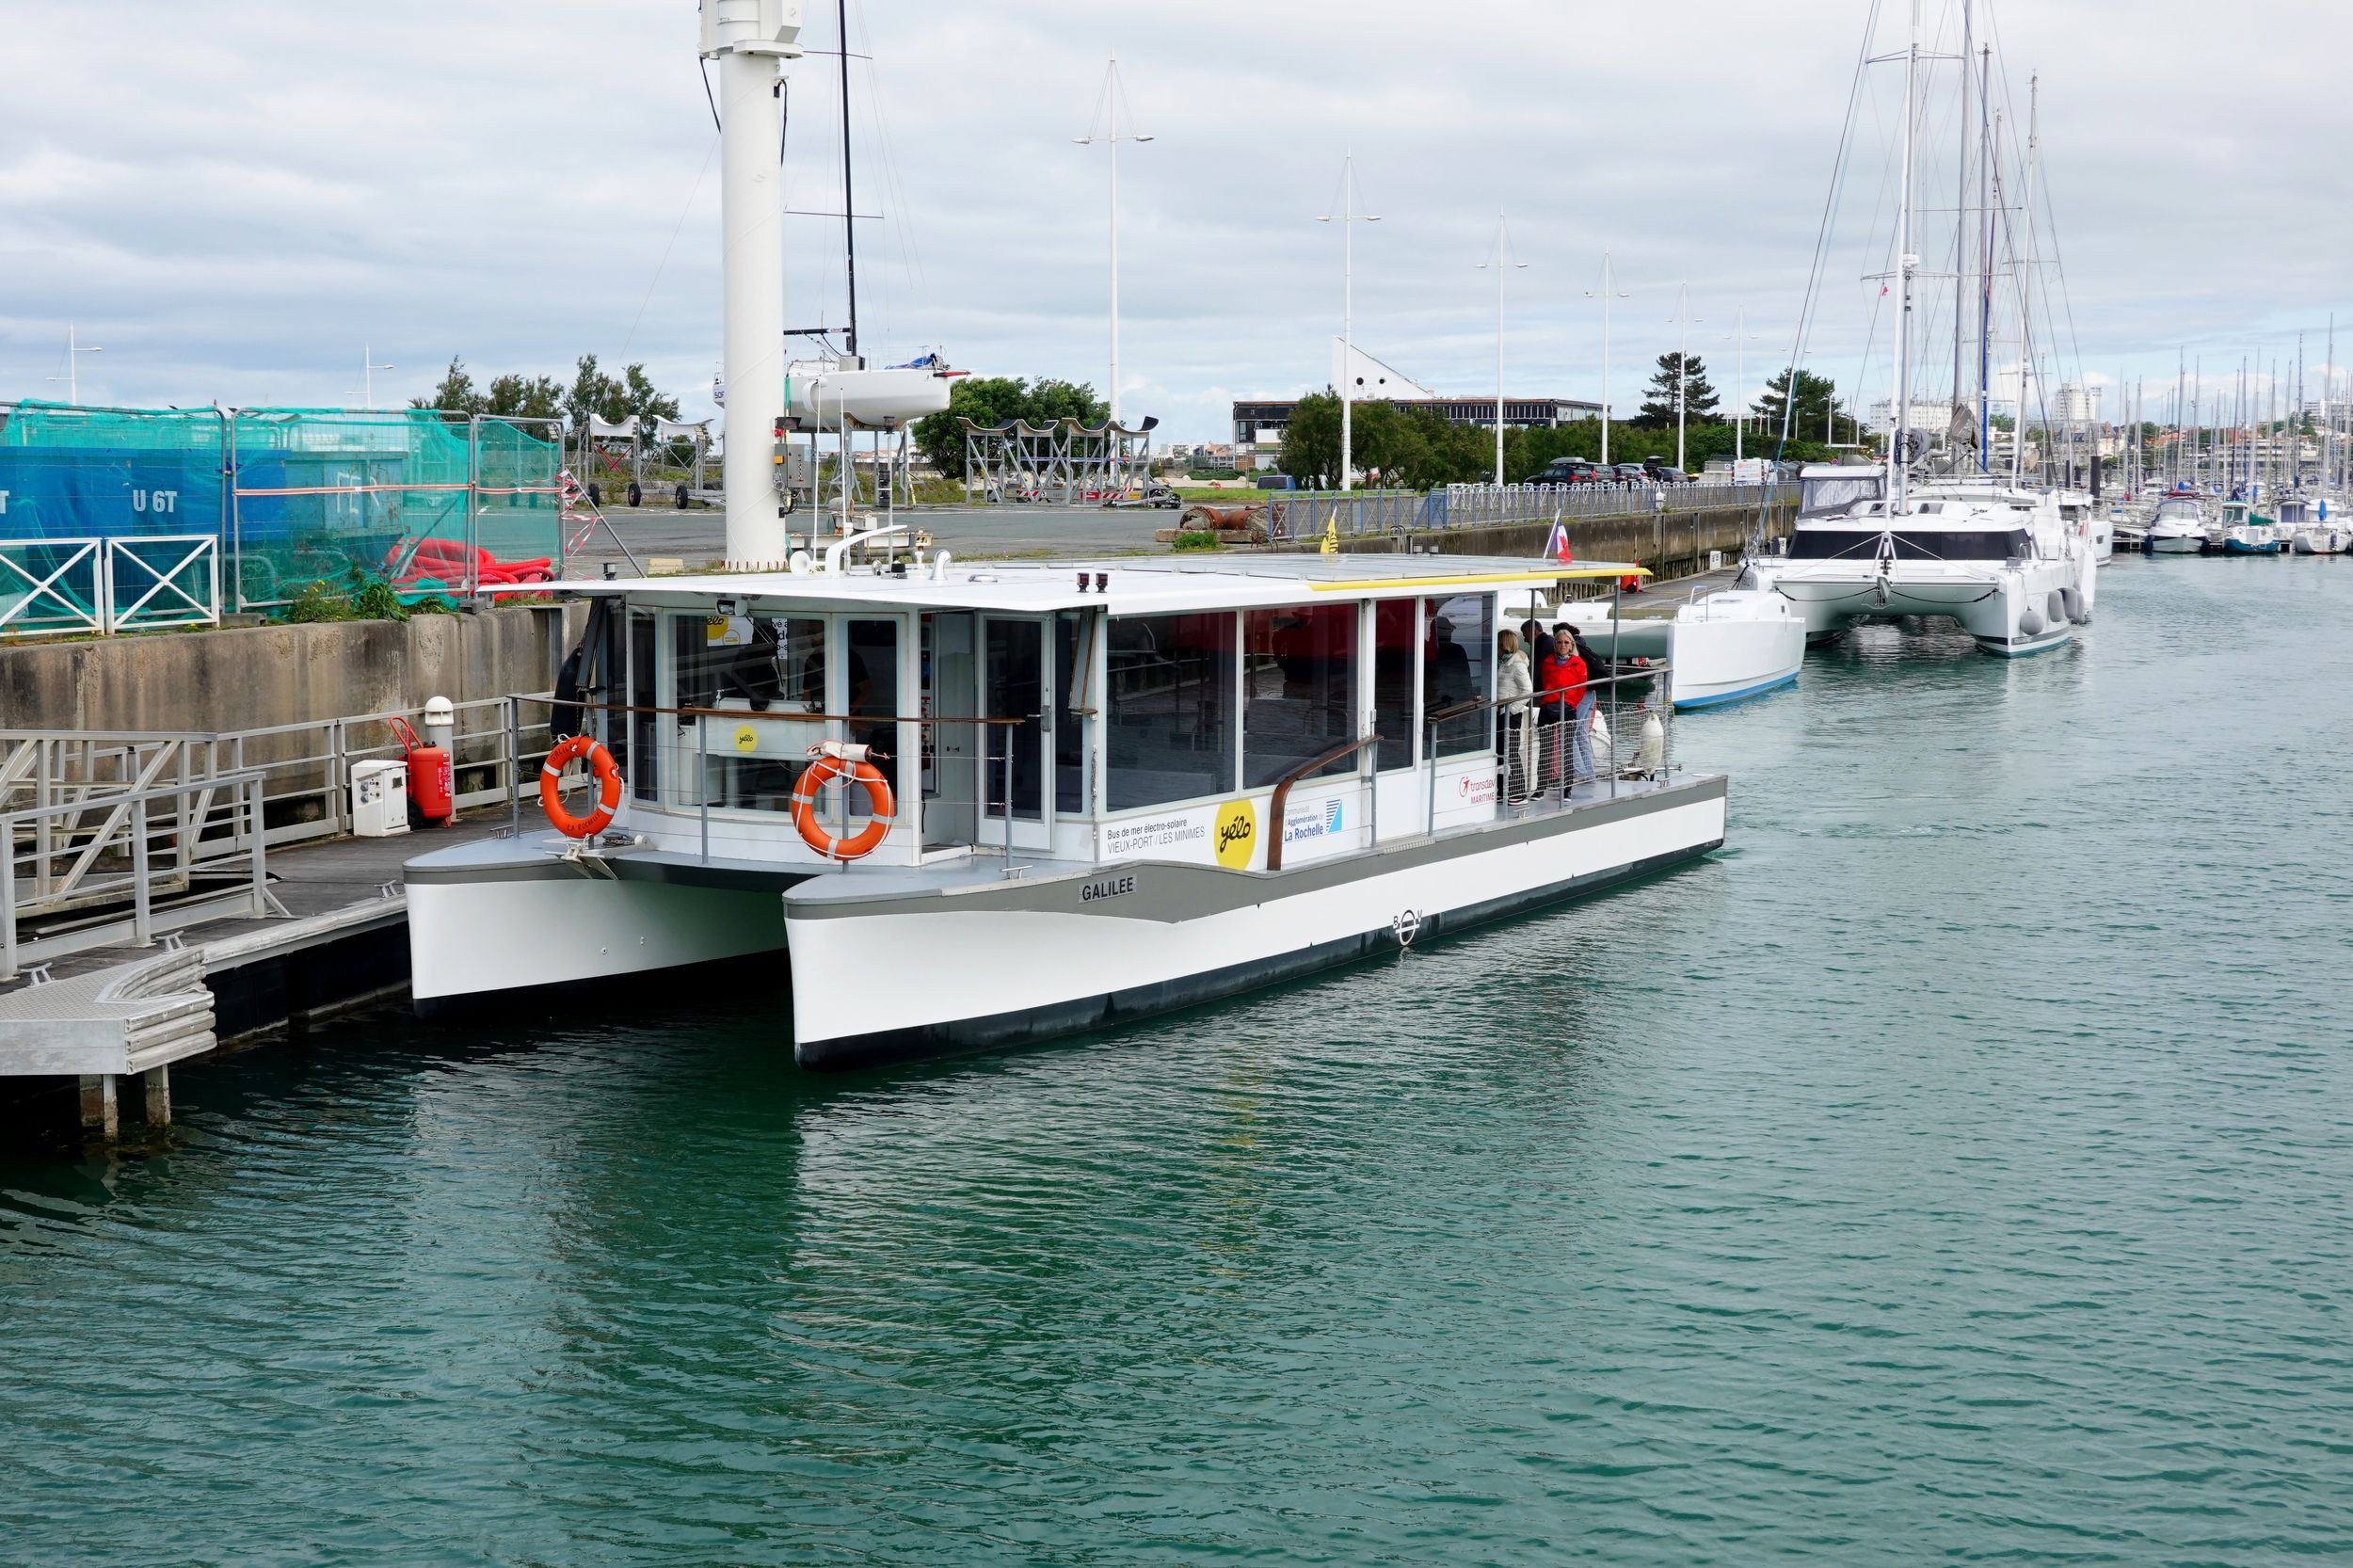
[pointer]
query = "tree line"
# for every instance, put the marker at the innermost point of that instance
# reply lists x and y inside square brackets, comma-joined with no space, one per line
[1419,448]
[612,398]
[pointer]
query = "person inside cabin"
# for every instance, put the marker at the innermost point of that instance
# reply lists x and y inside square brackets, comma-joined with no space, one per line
[1448,667]
[1566,756]
[1513,687]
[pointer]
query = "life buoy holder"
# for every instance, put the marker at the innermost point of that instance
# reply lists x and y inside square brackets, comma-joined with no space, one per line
[835,760]
[602,767]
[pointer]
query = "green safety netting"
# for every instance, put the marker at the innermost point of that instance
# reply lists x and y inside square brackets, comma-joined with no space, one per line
[429,502]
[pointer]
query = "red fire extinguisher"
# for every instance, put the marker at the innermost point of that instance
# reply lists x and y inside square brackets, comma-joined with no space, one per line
[432,787]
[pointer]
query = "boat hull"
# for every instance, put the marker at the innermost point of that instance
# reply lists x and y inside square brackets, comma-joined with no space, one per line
[1720,661]
[509,917]
[2175,544]
[1144,938]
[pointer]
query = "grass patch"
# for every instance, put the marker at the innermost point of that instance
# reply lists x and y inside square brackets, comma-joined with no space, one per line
[1199,539]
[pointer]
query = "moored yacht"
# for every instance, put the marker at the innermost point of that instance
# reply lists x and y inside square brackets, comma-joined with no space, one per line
[1999,561]
[1077,794]
[2180,525]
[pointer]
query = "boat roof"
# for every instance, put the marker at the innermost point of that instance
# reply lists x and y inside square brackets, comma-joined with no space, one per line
[1133,585]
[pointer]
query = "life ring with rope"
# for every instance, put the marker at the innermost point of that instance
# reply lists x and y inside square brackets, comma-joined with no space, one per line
[843,760]
[606,772]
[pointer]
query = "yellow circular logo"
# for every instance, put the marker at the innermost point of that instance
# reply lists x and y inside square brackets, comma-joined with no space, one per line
[747,738]
[1236,834]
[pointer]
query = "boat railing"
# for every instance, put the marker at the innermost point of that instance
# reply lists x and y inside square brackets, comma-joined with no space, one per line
[697,738]
[1628,741]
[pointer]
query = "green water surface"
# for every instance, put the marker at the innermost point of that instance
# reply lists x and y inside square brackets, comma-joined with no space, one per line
[1954,1169]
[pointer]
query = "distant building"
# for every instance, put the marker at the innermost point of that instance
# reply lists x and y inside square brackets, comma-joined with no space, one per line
[1259,423]
[2075,404]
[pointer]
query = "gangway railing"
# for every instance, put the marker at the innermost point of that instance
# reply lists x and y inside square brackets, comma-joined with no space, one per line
[107,867]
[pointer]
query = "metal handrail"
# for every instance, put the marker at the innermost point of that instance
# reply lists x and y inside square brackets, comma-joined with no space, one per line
[78,889]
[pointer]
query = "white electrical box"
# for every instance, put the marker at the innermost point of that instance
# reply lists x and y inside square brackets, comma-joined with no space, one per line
[379,799]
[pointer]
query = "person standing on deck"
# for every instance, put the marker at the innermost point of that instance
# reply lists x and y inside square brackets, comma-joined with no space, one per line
[1513,687]
[1583,722]
[1561,679]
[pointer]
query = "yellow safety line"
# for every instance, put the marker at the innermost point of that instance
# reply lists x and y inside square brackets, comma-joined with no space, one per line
[1583,573]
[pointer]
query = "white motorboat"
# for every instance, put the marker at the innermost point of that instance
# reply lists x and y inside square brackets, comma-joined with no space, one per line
[2316,525]
[1719,647]
[2083,514]
[1997,560]
[2180,525]
[1082,795]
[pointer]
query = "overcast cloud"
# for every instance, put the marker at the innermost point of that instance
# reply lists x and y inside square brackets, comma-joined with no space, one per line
[233,198]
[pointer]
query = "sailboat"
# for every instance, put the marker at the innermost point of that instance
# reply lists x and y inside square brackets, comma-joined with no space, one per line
[1999,559]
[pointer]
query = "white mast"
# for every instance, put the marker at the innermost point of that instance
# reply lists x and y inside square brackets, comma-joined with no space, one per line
[1740,380]
[1606,296]
[2025,293]
[1905,264]
[1349,220]
[749,39]
[1107,116]
[1683,363]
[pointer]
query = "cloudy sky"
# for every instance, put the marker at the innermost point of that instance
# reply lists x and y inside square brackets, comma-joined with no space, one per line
[233,199]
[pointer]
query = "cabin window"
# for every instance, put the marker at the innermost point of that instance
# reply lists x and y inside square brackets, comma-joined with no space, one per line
[644,696]
[1070,733]
[752,665]
[1396,634]
[870,649]
[1457,668]
[1170,709]
[1299,689]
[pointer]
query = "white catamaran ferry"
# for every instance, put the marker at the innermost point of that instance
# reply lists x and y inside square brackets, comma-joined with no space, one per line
[1071,796]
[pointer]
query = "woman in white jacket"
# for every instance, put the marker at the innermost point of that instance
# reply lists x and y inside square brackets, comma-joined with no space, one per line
[1515,686]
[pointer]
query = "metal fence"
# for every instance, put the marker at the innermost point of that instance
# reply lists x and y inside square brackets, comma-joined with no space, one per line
[1354,514]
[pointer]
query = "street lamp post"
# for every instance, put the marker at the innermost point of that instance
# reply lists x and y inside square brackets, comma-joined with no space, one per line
[1740,339]
[1503,264]
[1682,365]
[1349,219]
[368,367]
[72,377]
[1605,294]
[1107,116]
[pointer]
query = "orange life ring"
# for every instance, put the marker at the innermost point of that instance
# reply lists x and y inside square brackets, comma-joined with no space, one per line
[608,777]
[881,808]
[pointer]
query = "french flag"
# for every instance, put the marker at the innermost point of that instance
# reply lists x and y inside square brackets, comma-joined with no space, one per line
[1557,547]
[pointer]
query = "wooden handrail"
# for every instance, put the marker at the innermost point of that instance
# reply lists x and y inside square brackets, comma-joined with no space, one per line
[1282,796]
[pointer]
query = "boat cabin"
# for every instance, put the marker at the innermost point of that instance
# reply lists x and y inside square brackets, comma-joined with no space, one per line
[1264,713]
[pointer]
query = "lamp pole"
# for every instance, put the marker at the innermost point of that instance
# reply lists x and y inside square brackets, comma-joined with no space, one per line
[1349,219]
[368,367]
[1683,363]
[1739,340]
[1606,295]
[1106,128]
[1503,265]
[71,377]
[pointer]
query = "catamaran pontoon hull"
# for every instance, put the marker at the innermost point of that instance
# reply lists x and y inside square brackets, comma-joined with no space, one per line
[996,961]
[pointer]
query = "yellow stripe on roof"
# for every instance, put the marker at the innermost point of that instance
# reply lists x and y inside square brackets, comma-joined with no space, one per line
[1471,579]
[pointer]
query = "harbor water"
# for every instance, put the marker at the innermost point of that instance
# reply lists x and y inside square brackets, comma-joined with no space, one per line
[1955,1167]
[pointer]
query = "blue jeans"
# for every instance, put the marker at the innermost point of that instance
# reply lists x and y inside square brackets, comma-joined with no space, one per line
[1581,738]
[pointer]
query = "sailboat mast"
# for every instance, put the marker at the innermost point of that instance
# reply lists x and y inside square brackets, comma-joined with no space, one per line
[1961,207]
[849,207]
[1905,263]
[2025,287]
[1990,148]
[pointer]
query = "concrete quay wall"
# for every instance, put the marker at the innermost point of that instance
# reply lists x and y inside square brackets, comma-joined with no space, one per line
[249,677]
[1671,544]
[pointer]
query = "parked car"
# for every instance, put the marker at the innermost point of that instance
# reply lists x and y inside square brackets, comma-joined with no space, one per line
[1154,494]
[1629,474]
[1277,482]
[1667,473]
[1570,470]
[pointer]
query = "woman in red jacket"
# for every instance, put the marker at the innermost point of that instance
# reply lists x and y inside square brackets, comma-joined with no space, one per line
[1560,687]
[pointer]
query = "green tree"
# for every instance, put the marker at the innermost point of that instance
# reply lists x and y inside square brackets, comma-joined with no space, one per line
[592,393]
[1816,399]
[994,400]
[1658,398]
[640,396]
[525,397]
[456,397]
[1311,442]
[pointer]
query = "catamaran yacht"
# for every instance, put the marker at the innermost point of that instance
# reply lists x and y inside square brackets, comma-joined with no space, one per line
[2179,526]
[2000,561]
[2315,526]
[1073,795]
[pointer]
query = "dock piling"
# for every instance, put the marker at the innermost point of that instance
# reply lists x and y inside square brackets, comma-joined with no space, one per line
[101,1117]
